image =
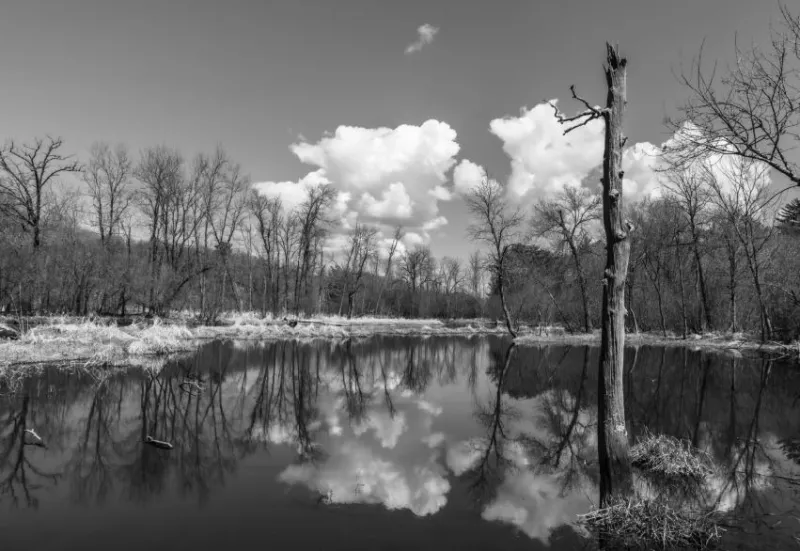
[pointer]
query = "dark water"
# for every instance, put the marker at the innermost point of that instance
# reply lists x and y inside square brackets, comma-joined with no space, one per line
[419,443]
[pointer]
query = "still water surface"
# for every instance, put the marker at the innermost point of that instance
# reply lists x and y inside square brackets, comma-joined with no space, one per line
[380,443]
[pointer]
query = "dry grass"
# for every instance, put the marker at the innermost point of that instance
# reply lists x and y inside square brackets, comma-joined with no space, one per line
[640,524]
[88,344]
[672,465]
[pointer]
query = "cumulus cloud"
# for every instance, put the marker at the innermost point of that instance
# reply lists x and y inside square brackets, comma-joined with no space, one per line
[394,203]
[425,35]
[384,176]
[544,160]
[467,175]
[292,194]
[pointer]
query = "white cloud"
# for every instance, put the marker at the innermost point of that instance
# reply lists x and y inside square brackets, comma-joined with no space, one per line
[425,35]
[292,194]
[467,175]
[435,224]
[544,160]
[395,203]
[383,176]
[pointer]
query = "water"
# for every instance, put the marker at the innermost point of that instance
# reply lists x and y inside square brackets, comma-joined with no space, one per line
[393,432]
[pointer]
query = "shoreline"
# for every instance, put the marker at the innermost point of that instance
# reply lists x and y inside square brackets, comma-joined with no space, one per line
[102,343]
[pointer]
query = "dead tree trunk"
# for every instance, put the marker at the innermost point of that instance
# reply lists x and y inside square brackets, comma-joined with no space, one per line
[612,434]
[615,469]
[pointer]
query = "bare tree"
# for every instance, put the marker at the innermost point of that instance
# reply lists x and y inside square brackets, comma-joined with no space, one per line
[752,110]
[361,248]
[312,218]
[158,170]
[269,217]
[108,177]
[27,171]
[690,193]
[565,219]
[740,189]
[497,224]
[417,271]
[228,207]
[398,235]
[612,437]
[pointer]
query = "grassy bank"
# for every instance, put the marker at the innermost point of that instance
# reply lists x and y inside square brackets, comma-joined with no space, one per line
[101,342]
[731,342]
[109,343]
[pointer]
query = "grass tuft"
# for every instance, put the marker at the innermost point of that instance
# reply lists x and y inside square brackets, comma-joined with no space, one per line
[641,524]
[670,463]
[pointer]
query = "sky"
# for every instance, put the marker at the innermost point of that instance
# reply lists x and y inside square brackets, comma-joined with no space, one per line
[400,105]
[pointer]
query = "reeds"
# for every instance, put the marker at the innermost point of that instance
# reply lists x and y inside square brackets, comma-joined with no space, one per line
[671,464]
[641,524]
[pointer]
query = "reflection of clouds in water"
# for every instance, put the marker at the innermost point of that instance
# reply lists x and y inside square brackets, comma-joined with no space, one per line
[331,410]
[534,504]
[433,440]
[356,470]
[430,408]
[274,434]
[387,428]
[728,490]
[355,474]
[463,456]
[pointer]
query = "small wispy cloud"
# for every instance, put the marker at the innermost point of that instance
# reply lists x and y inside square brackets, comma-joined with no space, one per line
[425,35]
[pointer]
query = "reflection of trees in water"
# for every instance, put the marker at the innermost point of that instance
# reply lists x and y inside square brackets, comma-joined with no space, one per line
[217,407]
[493,449]
[19,476]
[230,402]
[569,429]
[98,452]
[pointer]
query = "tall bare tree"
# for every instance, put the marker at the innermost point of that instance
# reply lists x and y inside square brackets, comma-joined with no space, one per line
[398,235]
[361,248]
[497,224]
[312,221]
[565,219]
[741,191]
[686,186]
[612,434]
[158,170]
[26,171]
[108,176]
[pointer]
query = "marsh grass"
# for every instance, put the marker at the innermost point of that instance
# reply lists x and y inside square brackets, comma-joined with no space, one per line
[673,466]
[676,515]
[89,344]
[644,524]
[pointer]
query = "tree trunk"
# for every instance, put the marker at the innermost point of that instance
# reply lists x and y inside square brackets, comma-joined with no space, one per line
[500,284]
[613,445]
[587,323]
[705,321]
[732,290]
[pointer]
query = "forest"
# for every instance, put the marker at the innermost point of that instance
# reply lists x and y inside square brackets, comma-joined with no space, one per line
[153,233]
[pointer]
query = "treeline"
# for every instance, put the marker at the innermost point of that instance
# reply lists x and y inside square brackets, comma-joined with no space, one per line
[707,255]
[160,233]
